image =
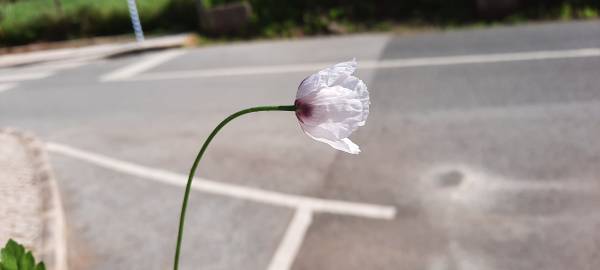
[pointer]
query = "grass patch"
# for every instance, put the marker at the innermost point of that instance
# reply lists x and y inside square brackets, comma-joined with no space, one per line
[25,21]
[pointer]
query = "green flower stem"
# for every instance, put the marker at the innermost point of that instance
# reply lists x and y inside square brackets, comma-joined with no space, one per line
[195,165]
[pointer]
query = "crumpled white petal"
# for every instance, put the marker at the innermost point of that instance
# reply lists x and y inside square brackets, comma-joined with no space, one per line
[332,104]
[345,144]
[336,112]
[325,77]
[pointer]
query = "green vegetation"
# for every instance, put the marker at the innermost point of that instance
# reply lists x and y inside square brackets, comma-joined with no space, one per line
[298,17]
[569,12]
[14,257]
[25,21]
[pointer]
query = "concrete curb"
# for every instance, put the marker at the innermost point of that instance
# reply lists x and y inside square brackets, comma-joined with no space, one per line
[94,51]
[35,189]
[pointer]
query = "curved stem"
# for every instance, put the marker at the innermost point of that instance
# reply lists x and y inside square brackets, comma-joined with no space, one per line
[195,165]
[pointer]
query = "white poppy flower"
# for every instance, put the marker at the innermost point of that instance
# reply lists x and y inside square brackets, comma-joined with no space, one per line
[331,104]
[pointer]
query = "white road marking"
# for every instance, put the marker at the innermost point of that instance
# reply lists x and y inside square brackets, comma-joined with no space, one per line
[141,66]
[7,86]
[368,64]
[24,76]
[241,192]
[292,241]
[57,65]
[234,71]
[50,66]
[34,72]
[484,58]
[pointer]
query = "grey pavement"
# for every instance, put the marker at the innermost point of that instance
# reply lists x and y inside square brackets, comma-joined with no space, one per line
[489,165]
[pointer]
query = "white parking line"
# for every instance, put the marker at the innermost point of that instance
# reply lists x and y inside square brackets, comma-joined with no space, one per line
[241,192]
[24,76]
[296,231]
[7,86]
[56,65]
[292,241]
[34,72]
[368,64]
[485,58]
[37,71]
[141,66]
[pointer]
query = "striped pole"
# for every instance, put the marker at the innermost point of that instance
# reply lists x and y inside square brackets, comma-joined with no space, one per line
[135,20]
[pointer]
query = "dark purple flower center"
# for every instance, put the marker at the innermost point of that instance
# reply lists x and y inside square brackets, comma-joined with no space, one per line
[303,110]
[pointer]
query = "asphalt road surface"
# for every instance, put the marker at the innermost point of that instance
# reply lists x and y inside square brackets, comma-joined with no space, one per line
[480,153]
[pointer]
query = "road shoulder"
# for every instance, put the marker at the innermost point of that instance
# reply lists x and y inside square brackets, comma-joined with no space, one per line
[31,209]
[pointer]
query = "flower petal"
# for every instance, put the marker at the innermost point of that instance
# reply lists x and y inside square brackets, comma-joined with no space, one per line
[331,104]
[362,94]
[341,69]
[326,77]
[345,144]
[336,112]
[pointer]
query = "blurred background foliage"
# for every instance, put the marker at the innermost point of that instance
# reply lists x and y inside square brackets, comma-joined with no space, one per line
[26,21]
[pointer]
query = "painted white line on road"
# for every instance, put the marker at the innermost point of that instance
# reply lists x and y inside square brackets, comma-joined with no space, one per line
[292,241]
[24,76]
[234,71]
[50,66]
[57,65]
[484,58]
[241,192]
[369,64]
[141,66]
[7,86]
